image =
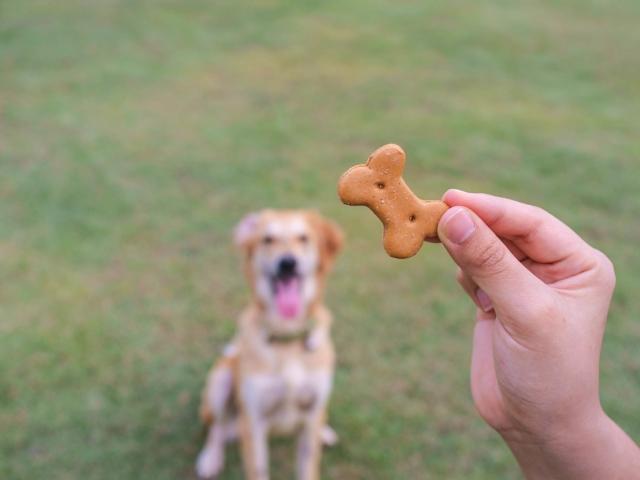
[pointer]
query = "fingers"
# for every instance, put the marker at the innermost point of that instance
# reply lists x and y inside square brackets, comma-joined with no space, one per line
[535,232]
[484,383]
[479,297]
[488,263]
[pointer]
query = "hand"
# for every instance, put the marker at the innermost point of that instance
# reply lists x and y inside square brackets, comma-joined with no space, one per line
[542,296]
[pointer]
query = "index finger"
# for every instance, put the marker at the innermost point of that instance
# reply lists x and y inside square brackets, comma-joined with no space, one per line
[537,233]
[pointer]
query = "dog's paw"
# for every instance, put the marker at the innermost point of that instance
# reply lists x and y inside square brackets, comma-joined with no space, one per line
[329,436]
[209,464]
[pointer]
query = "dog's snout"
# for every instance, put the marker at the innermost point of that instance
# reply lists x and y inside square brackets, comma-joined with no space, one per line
[287,265]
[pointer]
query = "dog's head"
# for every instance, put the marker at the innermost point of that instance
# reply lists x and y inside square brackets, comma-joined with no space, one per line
[288,254]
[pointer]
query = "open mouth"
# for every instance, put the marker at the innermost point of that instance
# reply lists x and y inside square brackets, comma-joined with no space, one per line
[287,292]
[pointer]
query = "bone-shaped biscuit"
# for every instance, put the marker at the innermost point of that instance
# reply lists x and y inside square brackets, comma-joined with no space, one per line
[408,221]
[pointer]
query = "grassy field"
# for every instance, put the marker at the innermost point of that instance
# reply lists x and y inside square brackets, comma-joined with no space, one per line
[133,135]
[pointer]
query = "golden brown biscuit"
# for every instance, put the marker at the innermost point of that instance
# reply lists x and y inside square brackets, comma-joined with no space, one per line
[379,185]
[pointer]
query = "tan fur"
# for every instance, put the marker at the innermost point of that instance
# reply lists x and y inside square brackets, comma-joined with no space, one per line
[206,414]
[286,383]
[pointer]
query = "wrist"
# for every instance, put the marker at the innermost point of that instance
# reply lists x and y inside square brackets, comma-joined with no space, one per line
[593,448]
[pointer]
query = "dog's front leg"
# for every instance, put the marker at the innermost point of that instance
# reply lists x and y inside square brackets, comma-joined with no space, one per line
[310,447]
[254,430]
[310,437]
[255,450]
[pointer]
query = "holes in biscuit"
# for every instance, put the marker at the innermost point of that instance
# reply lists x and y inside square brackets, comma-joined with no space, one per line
[412,217]
[380,185]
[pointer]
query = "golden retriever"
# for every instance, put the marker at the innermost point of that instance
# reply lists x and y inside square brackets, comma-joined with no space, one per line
[276,375]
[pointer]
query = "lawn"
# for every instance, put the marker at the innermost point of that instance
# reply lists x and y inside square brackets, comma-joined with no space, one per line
[133,135]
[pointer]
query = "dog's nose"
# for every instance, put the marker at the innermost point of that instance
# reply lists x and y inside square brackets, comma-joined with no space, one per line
[287,265]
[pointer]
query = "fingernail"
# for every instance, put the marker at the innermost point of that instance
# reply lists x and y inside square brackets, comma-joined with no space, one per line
[459,226]
[484,300]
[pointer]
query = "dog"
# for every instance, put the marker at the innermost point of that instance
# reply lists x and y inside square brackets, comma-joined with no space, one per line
[276,375]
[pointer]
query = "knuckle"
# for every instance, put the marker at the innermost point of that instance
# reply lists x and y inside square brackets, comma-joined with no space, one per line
[460,277]
[538,212]
[605,269]
[490,257]
[532,211]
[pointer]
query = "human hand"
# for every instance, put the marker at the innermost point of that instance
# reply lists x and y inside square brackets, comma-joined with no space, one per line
[542,296]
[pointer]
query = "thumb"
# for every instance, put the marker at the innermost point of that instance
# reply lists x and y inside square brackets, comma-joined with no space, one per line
[485,259]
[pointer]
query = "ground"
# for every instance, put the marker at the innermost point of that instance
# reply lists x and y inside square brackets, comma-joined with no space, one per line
[133,135]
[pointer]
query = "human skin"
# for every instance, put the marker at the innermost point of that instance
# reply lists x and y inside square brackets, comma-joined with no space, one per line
[542,295]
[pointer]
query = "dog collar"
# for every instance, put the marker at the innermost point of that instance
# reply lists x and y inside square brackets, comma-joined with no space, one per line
[288,337]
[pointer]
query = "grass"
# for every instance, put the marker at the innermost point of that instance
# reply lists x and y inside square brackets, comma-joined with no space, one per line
[133,135]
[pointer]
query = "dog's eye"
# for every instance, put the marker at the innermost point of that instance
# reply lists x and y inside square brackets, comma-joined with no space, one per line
[303,238]
[267,239]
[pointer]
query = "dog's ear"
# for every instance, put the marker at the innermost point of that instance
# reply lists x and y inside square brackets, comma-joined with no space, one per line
[330,239]
[333,237]
[245,232]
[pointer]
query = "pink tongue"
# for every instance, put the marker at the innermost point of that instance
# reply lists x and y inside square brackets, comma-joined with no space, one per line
[288,298]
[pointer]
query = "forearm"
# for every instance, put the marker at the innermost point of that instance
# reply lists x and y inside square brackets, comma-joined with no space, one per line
[600,450]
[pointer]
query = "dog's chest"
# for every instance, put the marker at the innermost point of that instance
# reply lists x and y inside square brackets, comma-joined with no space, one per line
[285,397]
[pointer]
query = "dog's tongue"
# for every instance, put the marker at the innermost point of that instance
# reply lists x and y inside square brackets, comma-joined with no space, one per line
[288,300]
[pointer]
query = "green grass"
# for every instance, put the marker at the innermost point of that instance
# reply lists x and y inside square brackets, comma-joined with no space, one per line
[133,135]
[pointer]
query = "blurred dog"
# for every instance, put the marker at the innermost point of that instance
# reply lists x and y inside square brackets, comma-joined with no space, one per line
[275,377]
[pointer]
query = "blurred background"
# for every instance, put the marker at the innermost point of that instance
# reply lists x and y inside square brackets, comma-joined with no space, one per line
[135,134]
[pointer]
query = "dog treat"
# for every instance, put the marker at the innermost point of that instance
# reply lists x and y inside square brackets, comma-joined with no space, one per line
[408,221]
